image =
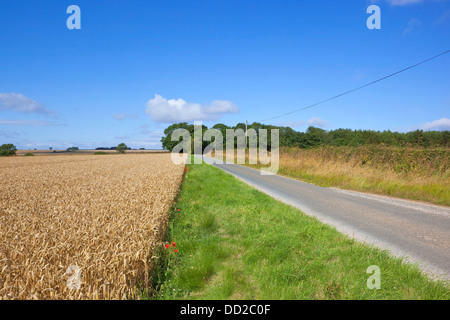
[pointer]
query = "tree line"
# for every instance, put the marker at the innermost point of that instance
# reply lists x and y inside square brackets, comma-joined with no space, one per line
[315,137]
[10,149]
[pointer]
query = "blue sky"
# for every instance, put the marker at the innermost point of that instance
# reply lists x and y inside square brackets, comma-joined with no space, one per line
[136,66]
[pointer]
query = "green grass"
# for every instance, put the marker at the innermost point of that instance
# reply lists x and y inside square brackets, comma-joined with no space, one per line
[235,242]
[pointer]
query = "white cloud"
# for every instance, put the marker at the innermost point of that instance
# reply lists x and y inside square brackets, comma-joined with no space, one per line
[441,124]
[162,110]
[221,106]
[20,103]
[317,122]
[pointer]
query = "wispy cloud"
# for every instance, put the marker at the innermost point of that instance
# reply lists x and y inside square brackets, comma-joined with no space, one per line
[123,116]
[291,124]
[20,103]
[445,17]
[403,2]
[439,125]
[29,123]
[146,131]
[359,74]
[121,137]
[166,111]
[57,145]
[413,24]
[9,134]
[317,122]
[120,116]
[148,143]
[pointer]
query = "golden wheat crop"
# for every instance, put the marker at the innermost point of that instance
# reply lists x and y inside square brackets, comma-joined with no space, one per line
[82,227]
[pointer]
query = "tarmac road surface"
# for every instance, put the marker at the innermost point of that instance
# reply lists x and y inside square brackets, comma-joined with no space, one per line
[416,231]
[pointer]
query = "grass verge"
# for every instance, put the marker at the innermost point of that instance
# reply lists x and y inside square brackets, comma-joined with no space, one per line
[235,242]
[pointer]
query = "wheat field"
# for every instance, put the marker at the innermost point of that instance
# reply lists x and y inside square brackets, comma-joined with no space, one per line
[82,226]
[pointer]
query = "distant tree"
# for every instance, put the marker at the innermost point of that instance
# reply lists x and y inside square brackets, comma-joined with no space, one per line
[223,129]
[71,149]
[50,148]
[313,137]
[8,150]
[316,137]
[167,142]
[121,148]
[141,148]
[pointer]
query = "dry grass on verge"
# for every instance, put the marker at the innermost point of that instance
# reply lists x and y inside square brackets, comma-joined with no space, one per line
[104,215]
[412,173]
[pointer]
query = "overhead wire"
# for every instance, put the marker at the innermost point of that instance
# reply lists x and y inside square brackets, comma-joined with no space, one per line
[358,88]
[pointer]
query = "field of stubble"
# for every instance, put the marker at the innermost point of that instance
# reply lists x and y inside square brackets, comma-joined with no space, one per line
[82,227]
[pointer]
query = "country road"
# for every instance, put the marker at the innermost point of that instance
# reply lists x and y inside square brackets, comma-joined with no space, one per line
[416,231]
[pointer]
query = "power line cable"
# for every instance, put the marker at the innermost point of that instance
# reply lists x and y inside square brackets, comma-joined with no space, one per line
[363,86]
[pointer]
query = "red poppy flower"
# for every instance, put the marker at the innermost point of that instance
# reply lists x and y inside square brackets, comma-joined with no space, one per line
[176,250]
[167,246]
